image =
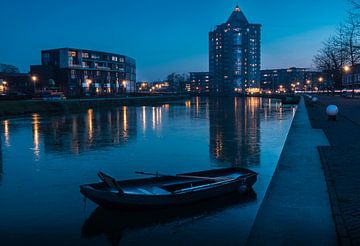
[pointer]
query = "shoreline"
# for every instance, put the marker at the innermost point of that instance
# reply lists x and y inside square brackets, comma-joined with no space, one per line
[297,196]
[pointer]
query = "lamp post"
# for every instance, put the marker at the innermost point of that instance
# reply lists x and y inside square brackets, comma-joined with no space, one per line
[124,86]
[34,79]
[4,86]
[308,82]
[321,80]
[347,70]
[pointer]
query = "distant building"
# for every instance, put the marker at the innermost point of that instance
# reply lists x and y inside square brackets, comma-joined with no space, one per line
[15,83]
[142,86]
[198,82]
[289,79]
[80,72]
[235,55]
[160,87]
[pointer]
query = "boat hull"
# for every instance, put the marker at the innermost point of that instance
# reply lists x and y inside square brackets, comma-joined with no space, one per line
[113,199]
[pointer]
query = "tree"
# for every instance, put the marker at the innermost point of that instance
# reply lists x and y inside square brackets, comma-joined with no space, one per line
[331,58]
[6,68]
[343,48]
[177,81]
[355,4]
[351,43]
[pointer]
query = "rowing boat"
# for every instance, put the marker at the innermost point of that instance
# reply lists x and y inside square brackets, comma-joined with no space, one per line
[168,190]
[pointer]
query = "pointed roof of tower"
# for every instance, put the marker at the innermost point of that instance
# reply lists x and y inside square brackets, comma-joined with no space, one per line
[237,16]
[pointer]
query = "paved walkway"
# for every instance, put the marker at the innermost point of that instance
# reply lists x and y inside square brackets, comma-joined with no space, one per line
[342,163]
[296,209]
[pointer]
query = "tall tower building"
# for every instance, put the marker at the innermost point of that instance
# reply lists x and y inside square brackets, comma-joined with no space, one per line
[235,55]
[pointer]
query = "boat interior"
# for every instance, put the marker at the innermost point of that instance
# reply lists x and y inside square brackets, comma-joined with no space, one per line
[167,185]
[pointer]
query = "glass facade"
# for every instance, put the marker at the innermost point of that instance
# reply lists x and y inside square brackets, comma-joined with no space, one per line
[90,73]
[234,55]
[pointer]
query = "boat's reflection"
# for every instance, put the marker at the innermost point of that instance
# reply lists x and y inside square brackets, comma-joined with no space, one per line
[112,223]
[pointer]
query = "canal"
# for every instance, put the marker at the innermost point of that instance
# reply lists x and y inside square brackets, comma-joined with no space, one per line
[44,159]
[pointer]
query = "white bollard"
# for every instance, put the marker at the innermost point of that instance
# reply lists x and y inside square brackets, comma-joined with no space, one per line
[332,111]
[314,99]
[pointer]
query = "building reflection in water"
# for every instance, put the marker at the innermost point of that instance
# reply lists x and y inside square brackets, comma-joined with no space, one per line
[235,130]
[95,129]
[156,114]
[36,137]
[6,133]
[143,119]
[89,117]
[1,162]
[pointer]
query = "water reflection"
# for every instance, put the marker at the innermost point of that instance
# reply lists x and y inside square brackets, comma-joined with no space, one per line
[234,127]
[157,114]
[235,130]
[113,223]
[1,163]
[6,133]
[95,129]
[35,128]
[192,135]
[143,118]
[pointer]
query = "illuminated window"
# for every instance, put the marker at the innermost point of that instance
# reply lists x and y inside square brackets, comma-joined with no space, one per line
[72,53]
[93,56]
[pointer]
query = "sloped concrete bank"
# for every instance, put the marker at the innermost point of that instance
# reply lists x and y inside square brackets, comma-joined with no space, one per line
[16,108]
[296,208]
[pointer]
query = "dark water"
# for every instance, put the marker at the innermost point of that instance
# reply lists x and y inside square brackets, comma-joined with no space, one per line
[44,159]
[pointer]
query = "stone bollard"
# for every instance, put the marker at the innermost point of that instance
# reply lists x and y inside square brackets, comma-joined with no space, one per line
[332,111]
[314,99]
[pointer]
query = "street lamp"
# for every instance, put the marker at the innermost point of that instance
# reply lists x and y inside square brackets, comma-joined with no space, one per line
[124,86]
[4,86]
[347,69]
[321,79]
[34,79]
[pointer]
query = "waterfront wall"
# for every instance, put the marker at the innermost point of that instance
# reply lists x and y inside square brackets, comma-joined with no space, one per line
[14,108]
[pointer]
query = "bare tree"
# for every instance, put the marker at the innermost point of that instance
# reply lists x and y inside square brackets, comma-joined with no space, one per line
[355,4]
[351,43]
[177,81]
[6,68]
[331,58]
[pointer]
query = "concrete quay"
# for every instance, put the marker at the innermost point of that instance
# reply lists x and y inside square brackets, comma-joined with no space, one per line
[296,209]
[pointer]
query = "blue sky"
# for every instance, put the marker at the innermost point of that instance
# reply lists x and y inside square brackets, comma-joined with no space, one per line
[164,36]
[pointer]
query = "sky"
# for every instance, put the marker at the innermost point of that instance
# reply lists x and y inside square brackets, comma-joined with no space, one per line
[164,36]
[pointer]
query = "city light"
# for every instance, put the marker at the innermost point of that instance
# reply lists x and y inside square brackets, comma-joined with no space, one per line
[34,79]
[347,68]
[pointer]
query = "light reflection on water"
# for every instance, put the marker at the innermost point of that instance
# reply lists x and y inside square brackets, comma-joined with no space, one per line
[46,158]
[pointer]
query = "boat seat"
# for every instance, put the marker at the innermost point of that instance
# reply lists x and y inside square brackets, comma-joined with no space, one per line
[232,176]
[146,191]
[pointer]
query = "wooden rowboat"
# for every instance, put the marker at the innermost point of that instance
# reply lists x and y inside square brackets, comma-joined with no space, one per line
[168,190]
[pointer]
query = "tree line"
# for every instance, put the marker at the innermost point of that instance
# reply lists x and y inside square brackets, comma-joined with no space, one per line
[341,52]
